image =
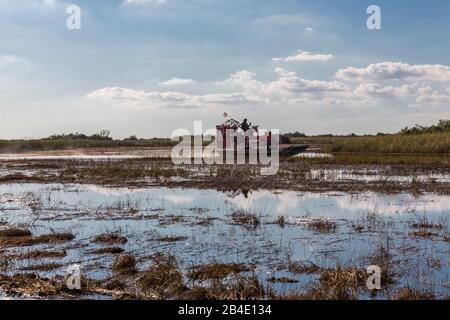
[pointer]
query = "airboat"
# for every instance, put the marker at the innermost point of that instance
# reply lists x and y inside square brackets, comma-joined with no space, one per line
[231,126]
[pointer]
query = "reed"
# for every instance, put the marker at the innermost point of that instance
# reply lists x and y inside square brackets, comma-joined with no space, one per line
[399,143]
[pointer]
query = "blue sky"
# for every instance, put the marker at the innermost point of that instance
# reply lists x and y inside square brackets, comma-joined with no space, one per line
[147,67]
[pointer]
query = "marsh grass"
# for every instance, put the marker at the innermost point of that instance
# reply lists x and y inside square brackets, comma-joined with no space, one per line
[29,284]
[116,171]
[282,280]
[43,267]
[111,250]
[422,234]
[13,146]
[41,254]
[246,219]
[366,158]
[237,288]
[216,271]
[407,293]
[293,175]
[322,225]
[399,143]
[423,223]
[14,232]
[205,222]
[372,220]
[333,284]
[298,267]
[384,259]
[342,283]
[124,264]
[33,285]
[34,240]
[280,221]
[171,238]
[110,238]
[163,279]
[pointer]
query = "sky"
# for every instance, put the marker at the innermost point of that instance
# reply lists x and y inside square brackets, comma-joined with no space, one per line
[148,67]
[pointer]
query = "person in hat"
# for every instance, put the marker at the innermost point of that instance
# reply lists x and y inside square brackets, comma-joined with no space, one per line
[245,125]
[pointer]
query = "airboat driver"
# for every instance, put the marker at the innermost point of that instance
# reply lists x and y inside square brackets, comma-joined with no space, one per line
[245,126]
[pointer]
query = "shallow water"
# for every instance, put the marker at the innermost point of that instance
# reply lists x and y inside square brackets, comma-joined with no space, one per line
[90,154]
[314,155]
[374,175]
[100,155]
[146,215]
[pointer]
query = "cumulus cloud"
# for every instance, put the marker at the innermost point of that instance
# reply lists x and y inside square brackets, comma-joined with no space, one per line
[301,55]
[176,82]
[288,83]
[140,98]
[428,96]
[349,102]
[377,90]
[396,71]
[242,79]
[288,88]
[242,88]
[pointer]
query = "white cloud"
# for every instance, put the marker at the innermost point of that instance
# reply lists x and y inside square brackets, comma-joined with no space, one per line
[243,79]
[140,98]
[243,89]
[282,73]
[176,82]
[288,83]
[288,88]
[377,90]
[301,55]
[309,29]
[396,71]
[332,102]
[349,102]
[429,96]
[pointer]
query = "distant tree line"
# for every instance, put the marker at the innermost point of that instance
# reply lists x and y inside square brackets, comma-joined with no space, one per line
[102,135]
[297,134]
[441,126]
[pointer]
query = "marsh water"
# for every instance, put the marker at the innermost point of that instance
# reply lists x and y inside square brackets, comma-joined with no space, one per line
[197,226]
